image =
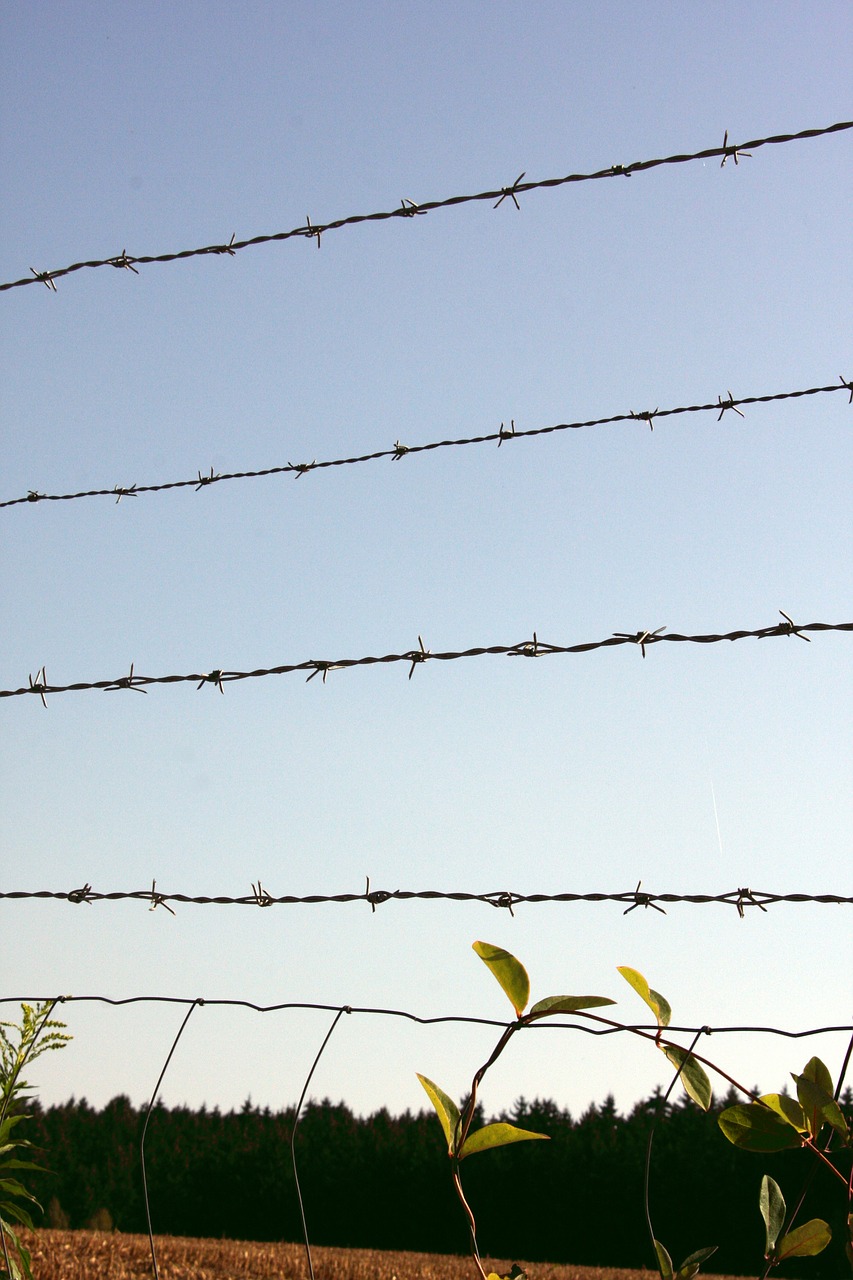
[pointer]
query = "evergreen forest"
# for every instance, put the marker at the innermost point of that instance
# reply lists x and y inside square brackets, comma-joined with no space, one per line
[383,1181]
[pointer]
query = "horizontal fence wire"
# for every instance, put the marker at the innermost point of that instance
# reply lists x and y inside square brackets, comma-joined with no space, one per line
[535,648]
[740,898]
[432,1020]
[409,209]
[399,451]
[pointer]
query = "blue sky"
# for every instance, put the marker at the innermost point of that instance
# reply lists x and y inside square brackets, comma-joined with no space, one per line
[155,128]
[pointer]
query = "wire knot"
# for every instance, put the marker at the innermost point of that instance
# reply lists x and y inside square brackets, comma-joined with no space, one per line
[225,248]
[121,491]
[417,655]
[848,386]
[322,668]
[203,480]
[301,467]
[33,495]
[127,682]
[123,262]
[81,895]
[642,638]
[790,628]
[746,898]
[510,193]
[39,685]
[311,232]
[45,277]
[212,677]
[377,897]
[648,416]
[618,170]
[732,152]
[726,405]
[504,900]
[408,209]
[158,899]
[262,898]
[643,900]
[400,451]
[506,433]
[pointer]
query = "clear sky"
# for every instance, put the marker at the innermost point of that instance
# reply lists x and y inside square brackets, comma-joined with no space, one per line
[151,128]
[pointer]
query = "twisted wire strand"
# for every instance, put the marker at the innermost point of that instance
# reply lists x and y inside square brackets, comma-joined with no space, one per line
[399,451]
[408,208]
[535,648]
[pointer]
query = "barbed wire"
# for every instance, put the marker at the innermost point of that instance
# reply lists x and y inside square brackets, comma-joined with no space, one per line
[741,898]
[399,451]
[535,648]
[409,209]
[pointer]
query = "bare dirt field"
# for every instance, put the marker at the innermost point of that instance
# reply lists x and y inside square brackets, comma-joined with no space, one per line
[95,1255]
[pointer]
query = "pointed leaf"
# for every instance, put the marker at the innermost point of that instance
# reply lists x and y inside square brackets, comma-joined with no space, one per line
[805,1241]
[693,1075]
[656,1002]
[757,1128]
[816,1071]
[819,1106]
[568,1004]
[510,973]
[690,1266]
[788,1108]
[496,1135]
[771,1202]
[664,1261]
[445,1108]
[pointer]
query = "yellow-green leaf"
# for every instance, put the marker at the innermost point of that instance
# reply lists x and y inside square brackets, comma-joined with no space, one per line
[690,1266]
[805,1241]
[788,1108]
[656,1002]
[757,1128]
[664,1260]
[445,1108]
[819,1105]
[496,1135]
[771,1202]
[568,1004]
[693,1075]
[510,973]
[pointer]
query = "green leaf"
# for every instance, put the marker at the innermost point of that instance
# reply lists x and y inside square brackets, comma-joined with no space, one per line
[664,1260]
[693,1076]
[819,1105]
[757,1128]
[568,1004]
[788,1108]
[656,1002]
[496,1135]
[771,1202]
[805,1241]
[510,973]
[816,1071]
[690,1266]
[445,1108]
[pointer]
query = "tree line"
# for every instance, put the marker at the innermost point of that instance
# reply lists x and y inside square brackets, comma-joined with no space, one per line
[383,1181]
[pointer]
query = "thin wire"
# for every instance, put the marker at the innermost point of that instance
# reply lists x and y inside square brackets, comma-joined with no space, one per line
[407,1015]
[740,898]
[408,208]
[534,648]
[145,1130]
[328,1036]
[399,451]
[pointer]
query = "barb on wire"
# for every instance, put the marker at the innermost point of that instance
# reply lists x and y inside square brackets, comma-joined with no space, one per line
[792,629]
[400,450]
[408,208]
[648,416]
[158,899]
[415,657]
[846,386]
[725,405]
[645,900]
[739,898]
